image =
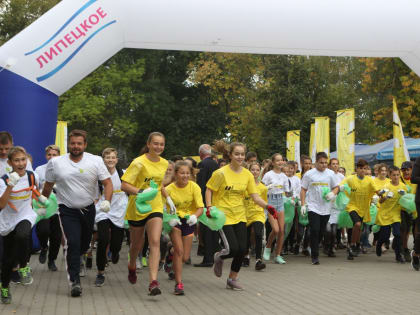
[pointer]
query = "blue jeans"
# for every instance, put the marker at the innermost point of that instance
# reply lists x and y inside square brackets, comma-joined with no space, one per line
[385,233]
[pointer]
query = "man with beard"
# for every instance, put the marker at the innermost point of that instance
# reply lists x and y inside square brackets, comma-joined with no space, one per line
[76,177]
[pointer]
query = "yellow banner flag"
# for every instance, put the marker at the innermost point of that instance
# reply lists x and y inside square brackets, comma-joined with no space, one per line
[61,136]
[312,149]
[293,146]
[345,134]
[400,148]
[322,135]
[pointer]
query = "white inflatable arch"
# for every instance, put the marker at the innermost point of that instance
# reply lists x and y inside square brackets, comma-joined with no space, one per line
[76,36]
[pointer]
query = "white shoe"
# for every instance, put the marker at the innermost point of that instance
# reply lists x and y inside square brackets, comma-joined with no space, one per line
[139,266]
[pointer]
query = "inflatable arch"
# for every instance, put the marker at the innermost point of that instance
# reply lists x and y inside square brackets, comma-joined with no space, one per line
[76,36]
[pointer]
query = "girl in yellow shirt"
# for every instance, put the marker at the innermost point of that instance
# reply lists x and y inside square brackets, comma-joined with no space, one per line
[188,201]
[226,190]
[255,217]
[389,214]
[137,177]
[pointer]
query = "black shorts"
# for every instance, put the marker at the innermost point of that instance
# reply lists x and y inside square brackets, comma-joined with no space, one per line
[406,221]
[143,222]
[355,217]
[185,228]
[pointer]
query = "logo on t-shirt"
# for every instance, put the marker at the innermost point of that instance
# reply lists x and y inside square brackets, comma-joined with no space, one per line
[81,171]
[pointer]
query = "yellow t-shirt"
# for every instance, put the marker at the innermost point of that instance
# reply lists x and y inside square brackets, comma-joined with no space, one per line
[390,210]
[229,190]
[187,199]
[139,174]
[362,191]
[254,212]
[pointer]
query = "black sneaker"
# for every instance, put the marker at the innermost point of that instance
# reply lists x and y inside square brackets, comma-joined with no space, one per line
[171,275]
[378,250]
[43,255]
[407,255]
[52,266]
[350,255]
[15,277]
[305,252]
[88,263]
[399,259]
[100,280]
[315,261]
[245,262]
[115,258]
[296,249]
[415,261]
[331,253]
[355,251]
[6,296]
[259,265]
[76,289]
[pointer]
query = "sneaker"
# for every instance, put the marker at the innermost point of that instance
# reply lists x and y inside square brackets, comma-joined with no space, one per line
[259,265]
[233,285]
[355,251]
[267,253]
[341,246]
[89,261]
[399,259]
[6,296]
[350,255]
[144,261]
[331,253]
[161,263]
[415,261]
[171,275]
[245,262]
[76,289]
[364,250]
[179,289]
[26,275]
[100,280]
[139,266]
[115,258]
[83,270]
[296,249]
[154,288]
[43,255]
[52,266]
[132,276]
[378,250]
[407,255]
[15,277]
[218,265]
[315,261]
[306,252]
[279,260]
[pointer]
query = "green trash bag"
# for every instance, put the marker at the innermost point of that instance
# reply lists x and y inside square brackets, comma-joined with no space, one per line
[373,212]
[145,196]
[217,220]
[289,210]
[344,220]
[287,229]
[325,192]
[342,198]
[166,218]
[126,225]
[51,207]
[407,202]
[408,189]
[375,228]
[303,219]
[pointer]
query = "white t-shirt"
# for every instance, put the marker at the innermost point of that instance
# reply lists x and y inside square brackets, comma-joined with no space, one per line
[278,179]
[22,201]
[118,204]
[334,211]
[5,168]
[76,183]
[296,185]
[313,181]
[40,171]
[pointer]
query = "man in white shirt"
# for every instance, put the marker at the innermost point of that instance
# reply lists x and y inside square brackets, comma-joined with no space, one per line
[313,202]
[76,177]
[48,230]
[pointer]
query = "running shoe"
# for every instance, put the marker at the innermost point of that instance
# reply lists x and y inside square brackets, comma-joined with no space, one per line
[279,260]
[259,265]
[179,289]
[26,275]
[52,266]
[144,261]
[407,254]
[399,259]
[245,262]
[154,288]
[43,255]
[415,261]
[296,249]
[350,255]
[15,277]
[6,296]
[132,276]
[76,289]
[171,275]
[218,265]
[139,266]
[315,261]
[378,250]
[233,285]
[267,253]
[100,280]
[115,258]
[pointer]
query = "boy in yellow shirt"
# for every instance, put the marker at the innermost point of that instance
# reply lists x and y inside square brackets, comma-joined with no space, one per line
[389,214]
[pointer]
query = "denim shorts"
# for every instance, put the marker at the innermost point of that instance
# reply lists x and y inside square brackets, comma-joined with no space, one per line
[276,200]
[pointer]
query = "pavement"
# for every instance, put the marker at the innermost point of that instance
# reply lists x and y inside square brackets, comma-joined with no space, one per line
[367,285]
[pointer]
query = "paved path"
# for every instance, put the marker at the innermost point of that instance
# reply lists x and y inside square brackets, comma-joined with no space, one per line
[368,285]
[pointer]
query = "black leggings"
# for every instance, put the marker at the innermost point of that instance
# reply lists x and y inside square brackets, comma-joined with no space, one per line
[105,229]
[236,235]
[16,247]
[318,224]
[49,229]
[258,232]
[330,236]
